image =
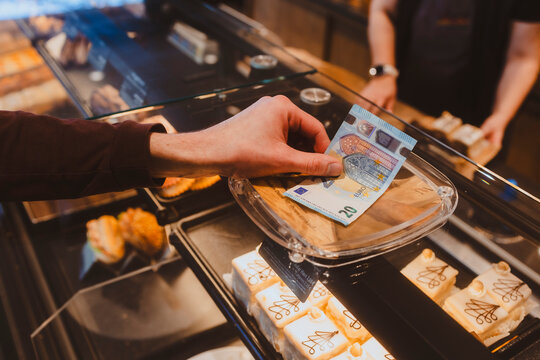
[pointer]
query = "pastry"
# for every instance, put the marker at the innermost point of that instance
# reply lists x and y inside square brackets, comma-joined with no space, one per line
[431,275]
[445,125]
[319,295]
[374,349]
[251,274]
[477,312]
[354,352]
[508,291]
[277,307]
[106,99]
[465,138]
[313,336]
[346,322]
[175,186]
[45,25]
[141,229]
[204,182]
[103,235]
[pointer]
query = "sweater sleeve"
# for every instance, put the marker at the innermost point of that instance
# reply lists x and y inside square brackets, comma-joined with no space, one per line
[42,157]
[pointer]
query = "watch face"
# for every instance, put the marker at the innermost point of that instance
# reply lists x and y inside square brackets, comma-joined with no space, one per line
[377,70]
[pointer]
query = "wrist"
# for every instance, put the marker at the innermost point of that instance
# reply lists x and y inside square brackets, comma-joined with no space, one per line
[383,69]
[183,155]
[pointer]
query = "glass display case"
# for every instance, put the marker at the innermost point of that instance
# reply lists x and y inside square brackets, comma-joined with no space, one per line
[62,303]
[119,58]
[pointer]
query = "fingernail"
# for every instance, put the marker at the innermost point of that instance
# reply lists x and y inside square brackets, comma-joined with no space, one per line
[334,169]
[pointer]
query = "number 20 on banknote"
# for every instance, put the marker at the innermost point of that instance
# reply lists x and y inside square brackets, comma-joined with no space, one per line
[372,152]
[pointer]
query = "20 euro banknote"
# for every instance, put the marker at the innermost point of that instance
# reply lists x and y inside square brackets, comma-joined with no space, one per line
[372,152]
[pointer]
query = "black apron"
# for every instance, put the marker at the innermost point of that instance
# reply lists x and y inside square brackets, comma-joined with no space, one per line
[434,72]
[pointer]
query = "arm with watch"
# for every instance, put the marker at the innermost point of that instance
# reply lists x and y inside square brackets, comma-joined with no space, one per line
[382,87]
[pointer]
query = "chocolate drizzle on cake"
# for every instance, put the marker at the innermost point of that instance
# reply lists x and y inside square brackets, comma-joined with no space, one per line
[319,291]
[432,276]
[321,340]
[508,289]
[389,357]
[284,306]
[482,311]
[355,324]
[258,270]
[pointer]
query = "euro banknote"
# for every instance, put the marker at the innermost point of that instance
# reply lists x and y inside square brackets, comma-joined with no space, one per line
[372,152]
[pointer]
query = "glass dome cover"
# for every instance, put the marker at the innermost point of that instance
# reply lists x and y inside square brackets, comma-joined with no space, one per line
[419,200]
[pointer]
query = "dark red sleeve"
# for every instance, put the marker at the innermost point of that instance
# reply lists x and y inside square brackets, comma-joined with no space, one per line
[42,157]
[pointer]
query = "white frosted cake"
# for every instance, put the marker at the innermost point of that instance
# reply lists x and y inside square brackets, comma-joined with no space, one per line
[313,336]
[374,349]
[250,275]
[354,352]
[279,306]
[346,322]
[508,291]
[432,275]
[477,312]
[319,295]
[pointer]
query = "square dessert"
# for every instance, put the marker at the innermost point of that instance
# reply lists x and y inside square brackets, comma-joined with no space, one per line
[476,311]
[504,287]
[354,352]
[250,275]
[313,336]
[279,306]
[431,275]
[346,322]
[374,349]
[445,125]
[319,295]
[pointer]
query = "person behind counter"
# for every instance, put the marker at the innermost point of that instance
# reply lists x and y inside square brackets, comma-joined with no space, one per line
[47,158]
[476,59]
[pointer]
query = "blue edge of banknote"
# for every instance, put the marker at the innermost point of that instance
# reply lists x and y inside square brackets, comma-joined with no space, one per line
[372,152]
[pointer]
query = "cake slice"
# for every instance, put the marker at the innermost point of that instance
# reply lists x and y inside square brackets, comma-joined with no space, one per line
[374,349]
[319,295]
[466,138]
[477,312]
[508,291]
[354,352]
[279,306]
[445,125]
[250,275]
[313,336]
[346,322]
[431,275]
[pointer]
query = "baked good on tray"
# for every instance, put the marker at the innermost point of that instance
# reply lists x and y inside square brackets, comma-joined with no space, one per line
[105,239]
[508,291]
[141,229]
[251,274]
[175,186]
[277,306]
[376,350]
[477,312]
[313,336]
[346,322]
[431,275]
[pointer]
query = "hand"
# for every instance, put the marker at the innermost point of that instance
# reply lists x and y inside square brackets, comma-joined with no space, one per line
[381,90]
[493,128]
[250,144]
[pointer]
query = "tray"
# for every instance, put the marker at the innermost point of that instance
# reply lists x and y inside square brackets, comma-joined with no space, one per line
[419,200]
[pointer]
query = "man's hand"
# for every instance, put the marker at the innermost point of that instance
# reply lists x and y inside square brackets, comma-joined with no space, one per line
[250,144]
[493,128]
[382,91]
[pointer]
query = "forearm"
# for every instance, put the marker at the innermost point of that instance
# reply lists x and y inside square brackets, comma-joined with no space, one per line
[381,33]
[517,79]
[47,158]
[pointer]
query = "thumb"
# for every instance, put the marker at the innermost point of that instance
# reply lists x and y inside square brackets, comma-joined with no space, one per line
[312,164]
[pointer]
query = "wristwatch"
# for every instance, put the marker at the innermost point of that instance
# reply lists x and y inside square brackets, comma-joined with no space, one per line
[383,69]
